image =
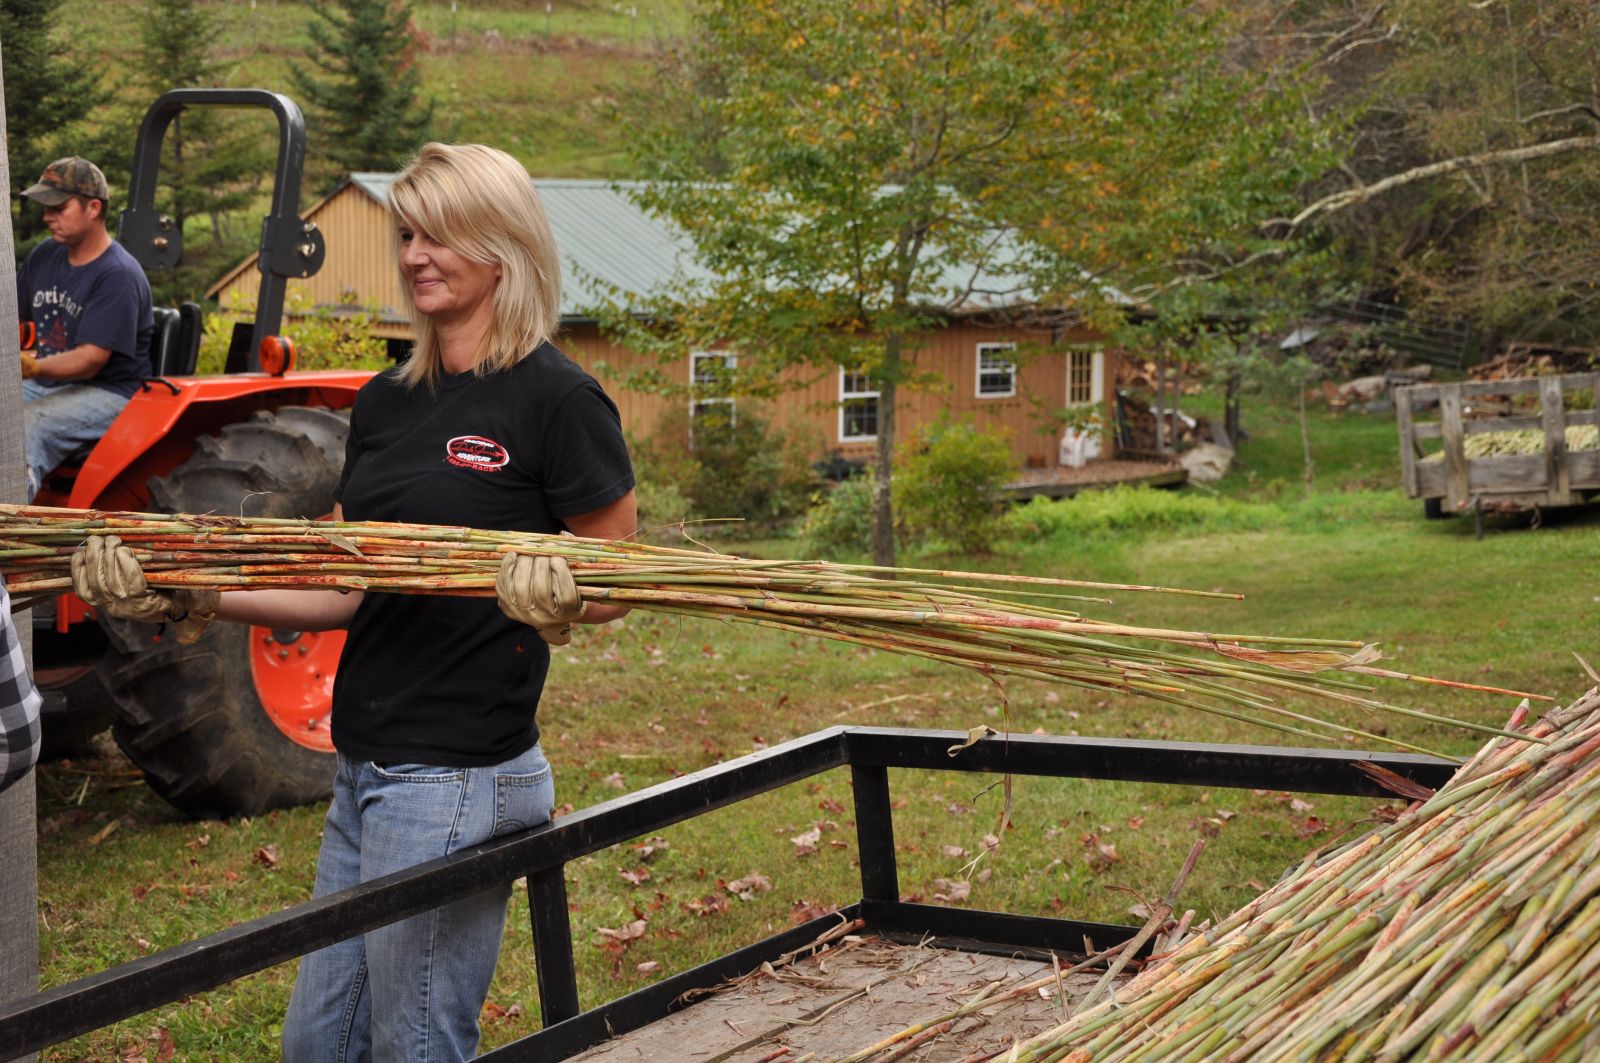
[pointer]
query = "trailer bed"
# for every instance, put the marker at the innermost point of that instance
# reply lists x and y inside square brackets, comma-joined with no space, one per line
[857,993]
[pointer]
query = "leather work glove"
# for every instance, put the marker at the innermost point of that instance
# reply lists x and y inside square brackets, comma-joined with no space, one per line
[107,576]
[538,590]
[30,365]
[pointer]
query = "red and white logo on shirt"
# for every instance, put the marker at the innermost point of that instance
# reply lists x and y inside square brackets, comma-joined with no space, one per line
[476,452]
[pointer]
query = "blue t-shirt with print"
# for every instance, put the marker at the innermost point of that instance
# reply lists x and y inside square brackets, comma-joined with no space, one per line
[105,302]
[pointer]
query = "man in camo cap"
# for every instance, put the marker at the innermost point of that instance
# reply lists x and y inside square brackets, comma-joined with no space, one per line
[89,304]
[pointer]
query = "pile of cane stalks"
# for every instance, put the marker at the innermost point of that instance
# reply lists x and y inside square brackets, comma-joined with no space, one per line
[936,615]
[1468,929]
[1523,441]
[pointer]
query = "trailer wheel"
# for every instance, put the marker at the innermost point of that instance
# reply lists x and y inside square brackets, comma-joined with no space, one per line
[236,723]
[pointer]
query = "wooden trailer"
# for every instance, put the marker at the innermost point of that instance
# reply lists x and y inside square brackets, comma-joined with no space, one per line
[1499,444]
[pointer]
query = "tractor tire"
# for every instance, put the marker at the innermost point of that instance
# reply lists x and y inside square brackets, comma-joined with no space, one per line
[191,716]
[73,715]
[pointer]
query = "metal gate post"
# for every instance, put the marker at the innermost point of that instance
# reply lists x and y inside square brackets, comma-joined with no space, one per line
[552,945]
[880,878]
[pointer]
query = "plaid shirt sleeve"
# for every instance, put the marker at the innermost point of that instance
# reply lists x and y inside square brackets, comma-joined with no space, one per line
[19,703]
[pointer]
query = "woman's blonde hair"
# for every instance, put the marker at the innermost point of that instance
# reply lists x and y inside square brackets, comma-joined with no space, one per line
[480,202]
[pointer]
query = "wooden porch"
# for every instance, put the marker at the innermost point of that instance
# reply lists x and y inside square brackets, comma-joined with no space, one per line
[1060,481]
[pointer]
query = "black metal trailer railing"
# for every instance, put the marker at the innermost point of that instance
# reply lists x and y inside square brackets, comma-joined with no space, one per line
[542,854]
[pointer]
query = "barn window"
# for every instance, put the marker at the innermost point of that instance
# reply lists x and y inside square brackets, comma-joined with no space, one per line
[711,380]
[1085,371]
[997,372]
[858,407]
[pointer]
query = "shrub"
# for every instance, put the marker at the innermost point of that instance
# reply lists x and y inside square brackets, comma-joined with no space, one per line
[840,519]
[947,485]
[1137,509]
[325,337]
[735,466]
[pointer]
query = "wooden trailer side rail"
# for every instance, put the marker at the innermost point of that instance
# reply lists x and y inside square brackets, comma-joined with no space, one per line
[1556,476]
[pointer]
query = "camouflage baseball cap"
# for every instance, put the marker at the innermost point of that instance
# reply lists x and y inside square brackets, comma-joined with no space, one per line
[66,178]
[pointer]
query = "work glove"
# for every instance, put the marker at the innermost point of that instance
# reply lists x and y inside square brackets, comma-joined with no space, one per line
[30,365]
[107,576]
[538,590]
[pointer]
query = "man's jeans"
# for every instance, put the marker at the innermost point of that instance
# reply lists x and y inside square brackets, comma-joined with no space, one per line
[58,420]
[410,992]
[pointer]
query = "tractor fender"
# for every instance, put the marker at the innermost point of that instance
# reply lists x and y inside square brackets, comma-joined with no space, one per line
[157,429]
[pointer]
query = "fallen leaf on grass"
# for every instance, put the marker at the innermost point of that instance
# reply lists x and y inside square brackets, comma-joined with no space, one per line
[711,904]
[954,852]
[806,844]
[1099,855]
[828,804]
[951,892]
[1299,806]
[614,780]
[648,967]
[622,935]
[651,849]
[746,888]
[165,1049]
[635,876]
[1310,827]
[1135,822]
[267,856]
[494,1013]
[805,911]
[198,843]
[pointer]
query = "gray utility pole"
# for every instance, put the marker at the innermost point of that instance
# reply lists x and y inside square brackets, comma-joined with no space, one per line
[19,857]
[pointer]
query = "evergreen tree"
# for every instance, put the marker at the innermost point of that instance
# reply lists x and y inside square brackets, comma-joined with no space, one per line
[50,91]
[212,160]
[366,107]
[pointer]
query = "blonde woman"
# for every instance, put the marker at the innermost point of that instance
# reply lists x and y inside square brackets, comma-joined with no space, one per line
[486,425]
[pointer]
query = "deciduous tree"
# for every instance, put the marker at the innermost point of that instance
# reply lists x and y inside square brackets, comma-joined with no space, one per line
[1472,185]
[850,172]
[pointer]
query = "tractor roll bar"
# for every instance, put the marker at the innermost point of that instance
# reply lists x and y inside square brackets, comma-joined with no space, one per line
[289,247]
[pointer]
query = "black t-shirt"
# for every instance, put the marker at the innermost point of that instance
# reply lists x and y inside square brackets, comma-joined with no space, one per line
[450,680]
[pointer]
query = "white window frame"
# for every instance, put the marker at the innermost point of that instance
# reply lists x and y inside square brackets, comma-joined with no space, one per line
[1010,371]
[699,403]
[846,396]
[1097,375]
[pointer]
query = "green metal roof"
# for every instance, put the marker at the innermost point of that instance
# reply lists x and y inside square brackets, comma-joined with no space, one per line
[604,237]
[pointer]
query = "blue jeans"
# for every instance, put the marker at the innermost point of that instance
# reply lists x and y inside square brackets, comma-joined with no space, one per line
[58,420]
[410,992]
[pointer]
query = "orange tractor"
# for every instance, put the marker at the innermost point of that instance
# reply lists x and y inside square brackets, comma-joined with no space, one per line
[236,723]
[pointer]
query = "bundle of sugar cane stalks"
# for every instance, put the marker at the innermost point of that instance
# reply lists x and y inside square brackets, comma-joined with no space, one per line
[1468,929]
[936,615]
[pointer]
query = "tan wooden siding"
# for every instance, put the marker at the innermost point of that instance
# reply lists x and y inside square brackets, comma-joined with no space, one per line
[359,266]
[812,405]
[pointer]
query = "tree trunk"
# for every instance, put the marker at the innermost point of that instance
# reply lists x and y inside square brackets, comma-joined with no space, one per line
[1161,403]
[1230,408]
[1305,433]
[19,868]
[1177,395]
[883,466]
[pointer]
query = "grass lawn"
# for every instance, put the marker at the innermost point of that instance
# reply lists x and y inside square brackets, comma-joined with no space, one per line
[121,875]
